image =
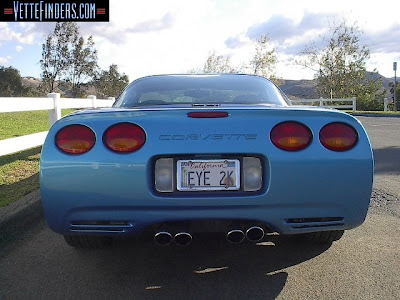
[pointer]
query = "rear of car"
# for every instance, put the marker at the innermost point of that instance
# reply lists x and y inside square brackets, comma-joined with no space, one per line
[183,154]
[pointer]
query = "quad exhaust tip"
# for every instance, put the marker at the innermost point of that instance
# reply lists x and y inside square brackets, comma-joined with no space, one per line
[235,236]
[183,238]
[163,238]
[255,234]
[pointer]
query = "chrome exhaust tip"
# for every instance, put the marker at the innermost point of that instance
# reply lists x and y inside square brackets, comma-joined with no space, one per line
[163,238]
[255,234]
[235,236]
[183,238]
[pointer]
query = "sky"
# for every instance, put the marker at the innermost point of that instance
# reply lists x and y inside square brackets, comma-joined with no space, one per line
[175,36]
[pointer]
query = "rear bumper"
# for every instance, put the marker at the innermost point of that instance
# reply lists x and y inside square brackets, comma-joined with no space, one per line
[297,196]
[132,220]
[119,199]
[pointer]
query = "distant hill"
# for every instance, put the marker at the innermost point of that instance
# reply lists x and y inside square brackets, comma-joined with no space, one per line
[295,89]
[300,89]
[306,89]
[31,82]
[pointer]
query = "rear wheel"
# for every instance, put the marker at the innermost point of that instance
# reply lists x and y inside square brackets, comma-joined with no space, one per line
[322,237]
[87,242]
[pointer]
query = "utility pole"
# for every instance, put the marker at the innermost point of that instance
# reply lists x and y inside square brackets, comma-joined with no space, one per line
[395,85]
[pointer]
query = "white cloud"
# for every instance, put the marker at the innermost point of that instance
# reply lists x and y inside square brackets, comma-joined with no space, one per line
[293,27]
[237,41]
[19,48]
[3,60]
[383,62]
[156,37]
[11,33]
[175,36]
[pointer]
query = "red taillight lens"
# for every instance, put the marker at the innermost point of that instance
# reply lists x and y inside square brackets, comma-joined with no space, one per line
[291,136]
[124,137]
[75,139]
[208,114]
[338,137]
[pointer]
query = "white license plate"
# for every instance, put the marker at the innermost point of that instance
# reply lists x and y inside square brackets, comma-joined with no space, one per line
[208,175]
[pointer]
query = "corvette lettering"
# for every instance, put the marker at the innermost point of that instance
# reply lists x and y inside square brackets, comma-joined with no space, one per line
[205,137]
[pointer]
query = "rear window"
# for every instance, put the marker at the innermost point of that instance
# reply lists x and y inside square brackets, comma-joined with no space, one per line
[200,89]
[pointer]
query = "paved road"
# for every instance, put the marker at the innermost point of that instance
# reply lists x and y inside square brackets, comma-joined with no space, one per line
[364,264]
[384,134]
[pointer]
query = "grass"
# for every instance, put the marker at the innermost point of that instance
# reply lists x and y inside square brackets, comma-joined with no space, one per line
[383,113]
[23,123]
[26,122]
[18,175]
[19,172]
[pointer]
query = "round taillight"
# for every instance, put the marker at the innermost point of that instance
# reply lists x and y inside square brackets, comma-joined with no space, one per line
[291,136]
[75,139]
[338,137]
[124,137]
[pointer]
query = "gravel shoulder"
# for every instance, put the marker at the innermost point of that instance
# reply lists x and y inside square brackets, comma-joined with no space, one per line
[384,203]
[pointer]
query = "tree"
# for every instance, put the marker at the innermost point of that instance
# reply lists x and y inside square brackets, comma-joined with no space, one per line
[262,63]
[56,54]
[67,56]
[110,83]
[218,64]
[264,58]
[83,63]
[391,86]
[11,84]
[340,67]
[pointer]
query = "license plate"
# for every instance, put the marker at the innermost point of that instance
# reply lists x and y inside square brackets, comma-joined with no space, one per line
[208,175]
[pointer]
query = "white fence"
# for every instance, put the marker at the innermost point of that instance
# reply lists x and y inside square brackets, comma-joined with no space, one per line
[53,104]
[324,103]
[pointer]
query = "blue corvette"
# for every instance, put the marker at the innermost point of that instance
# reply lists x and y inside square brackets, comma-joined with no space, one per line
[182,154]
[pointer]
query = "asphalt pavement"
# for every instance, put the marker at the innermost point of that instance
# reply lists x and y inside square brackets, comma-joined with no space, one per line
[364,264]
[384,134]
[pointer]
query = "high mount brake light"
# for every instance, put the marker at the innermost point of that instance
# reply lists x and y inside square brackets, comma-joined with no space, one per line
[338,136]
[75,139]
[208,114]
[291,136]
[124,137]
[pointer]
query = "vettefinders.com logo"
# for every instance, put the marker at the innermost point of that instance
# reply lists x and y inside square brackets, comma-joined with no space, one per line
[51,11]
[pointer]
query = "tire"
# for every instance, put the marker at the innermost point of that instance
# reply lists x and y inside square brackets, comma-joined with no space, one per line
[87,242]
[323,237]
